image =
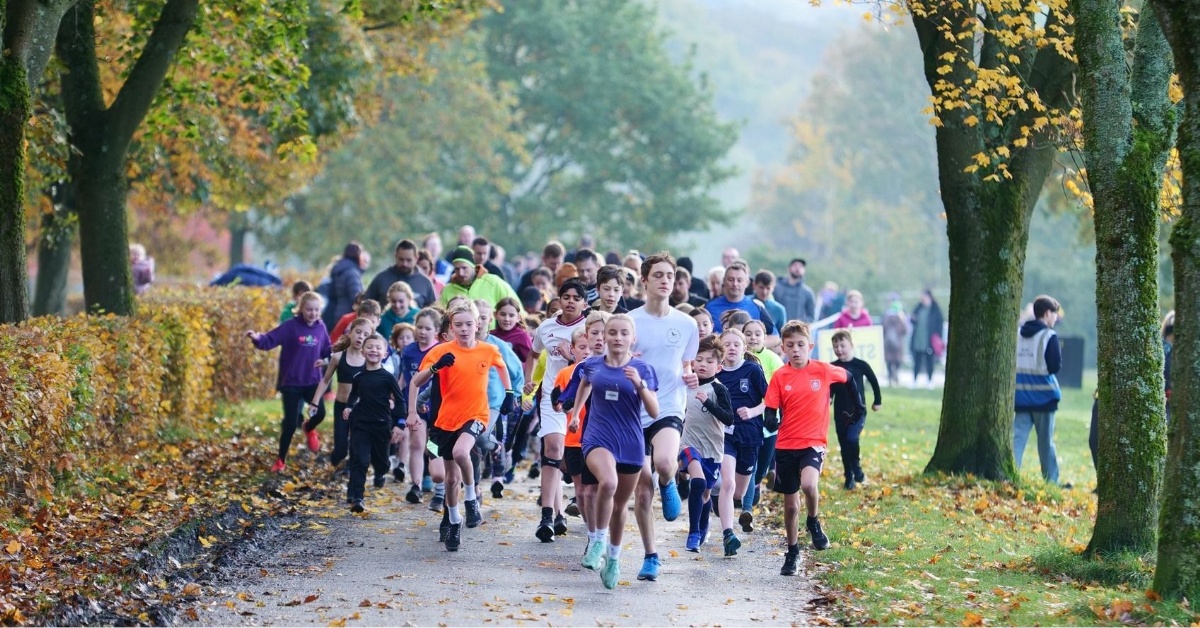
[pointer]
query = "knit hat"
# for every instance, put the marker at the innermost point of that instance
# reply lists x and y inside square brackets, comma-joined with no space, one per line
[463,254]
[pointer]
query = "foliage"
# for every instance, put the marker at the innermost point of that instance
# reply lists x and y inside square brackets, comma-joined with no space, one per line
[72,387]
[937,550]
[431,156]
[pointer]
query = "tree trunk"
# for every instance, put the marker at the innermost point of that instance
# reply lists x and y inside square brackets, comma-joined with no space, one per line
[28,28]
[102,137]
[15,109]
[1178,568]
[988,227]
[55,244]
[1125,163]
[239,228]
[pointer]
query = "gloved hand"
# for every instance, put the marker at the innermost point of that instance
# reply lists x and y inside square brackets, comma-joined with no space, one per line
[506,406]
[772,419]
[445,361]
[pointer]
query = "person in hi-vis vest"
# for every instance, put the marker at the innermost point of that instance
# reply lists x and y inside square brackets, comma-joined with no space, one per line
[1038,394]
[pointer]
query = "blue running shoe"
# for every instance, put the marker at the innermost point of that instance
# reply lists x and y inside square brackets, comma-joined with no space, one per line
[670,501]
[650,565]
[732,543]
[703,536]
[426,484]
[693,542]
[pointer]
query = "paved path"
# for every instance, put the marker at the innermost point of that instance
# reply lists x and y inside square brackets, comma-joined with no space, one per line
[386,568]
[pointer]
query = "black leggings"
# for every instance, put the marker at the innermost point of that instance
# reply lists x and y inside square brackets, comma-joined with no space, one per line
[295,404]
[341,434]
[919,358]
[368,446]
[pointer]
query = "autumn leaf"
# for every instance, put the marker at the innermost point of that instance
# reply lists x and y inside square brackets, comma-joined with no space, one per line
[13,547]
[972,619]
[191,589]
[365,604]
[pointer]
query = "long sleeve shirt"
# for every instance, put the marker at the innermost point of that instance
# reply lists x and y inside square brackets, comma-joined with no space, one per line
[370,394]
[851,397]
[301,345]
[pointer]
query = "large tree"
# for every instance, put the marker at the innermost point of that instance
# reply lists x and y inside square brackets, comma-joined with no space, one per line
[27,29]
[1128,132]
[1000,78]
[619,141]
[1178,567]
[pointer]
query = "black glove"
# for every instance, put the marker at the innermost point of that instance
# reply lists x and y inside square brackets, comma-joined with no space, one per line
[506,406]
[568,404]
[445,361]
[772,419]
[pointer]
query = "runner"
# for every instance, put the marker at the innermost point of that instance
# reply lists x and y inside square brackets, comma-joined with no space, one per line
[703,444]
[347,361]
[426,329]
[667,341]
[744,378]
[369,413]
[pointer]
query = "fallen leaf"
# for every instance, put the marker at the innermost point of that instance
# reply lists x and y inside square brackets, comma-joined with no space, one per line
[365,604]
[311,598]
[13,547]
[1153,595]
[338,623]
[191,589]
[972,619]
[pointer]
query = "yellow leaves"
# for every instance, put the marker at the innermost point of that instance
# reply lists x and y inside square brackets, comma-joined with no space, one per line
[13,547]
[943,70]
[971,120]
[972,619]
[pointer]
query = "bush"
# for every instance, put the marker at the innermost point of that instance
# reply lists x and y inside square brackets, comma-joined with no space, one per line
[73,388]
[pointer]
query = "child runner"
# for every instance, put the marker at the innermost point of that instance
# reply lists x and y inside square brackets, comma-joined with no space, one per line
[462,367]
[756,338]
[667,341]
[303,343]
[849,422]
[363,308]
[798,407]
[747,385]
[347,361]
[402,336]
[609,289]
[512,328]
[497,394]
[703,444]
[426,328]
[588,342]
[704,321]
[554,338]
[621,389]
[372,395]
[400,308]
[298,290]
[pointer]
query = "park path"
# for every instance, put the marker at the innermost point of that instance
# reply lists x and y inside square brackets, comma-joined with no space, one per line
[386,568]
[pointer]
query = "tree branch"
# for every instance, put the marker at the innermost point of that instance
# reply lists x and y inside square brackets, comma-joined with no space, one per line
[76,48]
[1151,78]
[146,77]
[30,27]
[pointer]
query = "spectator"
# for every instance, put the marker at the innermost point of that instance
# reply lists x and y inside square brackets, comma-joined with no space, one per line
[716,277]
[927,343]
[729,256]
[441,268]
[1038,394]
[345,282]
[404,269]
[796,297]
[830,301]
[895,331]
[142,266]
[854,315]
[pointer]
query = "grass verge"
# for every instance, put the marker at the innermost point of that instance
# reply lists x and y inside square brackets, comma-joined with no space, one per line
[933,550]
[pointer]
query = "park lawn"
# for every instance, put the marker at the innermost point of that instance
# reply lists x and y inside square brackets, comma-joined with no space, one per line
[914,549]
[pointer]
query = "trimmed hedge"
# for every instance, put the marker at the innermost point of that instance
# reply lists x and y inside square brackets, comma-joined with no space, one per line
[75,388]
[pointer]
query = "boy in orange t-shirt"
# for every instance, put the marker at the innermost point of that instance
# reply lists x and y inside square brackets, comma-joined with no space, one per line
[462,366]
[797,404]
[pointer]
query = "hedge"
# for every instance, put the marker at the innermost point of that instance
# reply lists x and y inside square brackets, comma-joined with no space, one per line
[72,389]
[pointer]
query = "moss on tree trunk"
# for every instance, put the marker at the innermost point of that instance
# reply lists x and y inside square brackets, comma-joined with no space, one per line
[14,114]
[1178,569]
[1128,132]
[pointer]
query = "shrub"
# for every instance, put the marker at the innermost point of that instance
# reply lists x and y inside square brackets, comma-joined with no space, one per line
[74,388]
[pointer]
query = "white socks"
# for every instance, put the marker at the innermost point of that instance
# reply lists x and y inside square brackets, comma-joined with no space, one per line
[470,490]
[455,515]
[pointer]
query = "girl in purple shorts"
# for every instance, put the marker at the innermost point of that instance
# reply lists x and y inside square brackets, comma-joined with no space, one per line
[614,449]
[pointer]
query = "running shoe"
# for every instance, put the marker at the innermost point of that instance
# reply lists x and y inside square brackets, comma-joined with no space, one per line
[279,466]
[414,495]
[560,525]
[534,472]
[357,506]
[850,483]
[380,480]
[474,518]
[671,504]
[545,530]
[693,542]
[819,540]
[443,530]
[509,476]
[497,489]
[747,521]
[314,443]
[437,502]
[859,476]
[426,484]
[789,564]
[572,508]
[703,535]
[611,573]
[454,537]
[649,568]
[731,543]
[398,472]
[593,558]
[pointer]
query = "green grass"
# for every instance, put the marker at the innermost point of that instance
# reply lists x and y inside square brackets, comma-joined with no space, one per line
[928,550]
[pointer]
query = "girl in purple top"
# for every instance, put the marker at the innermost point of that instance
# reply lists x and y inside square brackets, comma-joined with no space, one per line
[614,448]
[304,344]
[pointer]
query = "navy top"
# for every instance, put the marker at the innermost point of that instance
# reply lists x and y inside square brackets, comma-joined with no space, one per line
[747,385]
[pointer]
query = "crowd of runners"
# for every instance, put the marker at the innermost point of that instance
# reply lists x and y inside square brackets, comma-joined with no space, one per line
[622,380]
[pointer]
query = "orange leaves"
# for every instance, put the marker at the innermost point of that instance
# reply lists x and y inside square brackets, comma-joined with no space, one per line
[972,619]
[1119,610]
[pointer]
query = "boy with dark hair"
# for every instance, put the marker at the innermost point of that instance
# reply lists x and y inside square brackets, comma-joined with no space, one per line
[764,290]
[848,420]
[797,405]
[298,290]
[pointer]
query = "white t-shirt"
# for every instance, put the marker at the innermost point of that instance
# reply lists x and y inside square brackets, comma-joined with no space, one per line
[546,337]
[666,343]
